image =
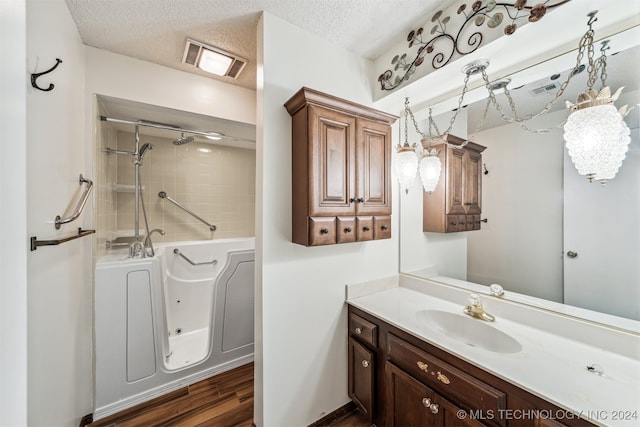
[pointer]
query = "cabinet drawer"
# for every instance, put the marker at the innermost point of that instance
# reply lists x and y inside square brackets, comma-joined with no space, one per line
[322,231]
[453,223]
[346,229]
[469,221]
[365,228]
[454,384]
[364,330]
[476,222]
[381,227]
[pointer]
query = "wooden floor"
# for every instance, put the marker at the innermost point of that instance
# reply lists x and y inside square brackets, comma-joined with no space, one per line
[225,400]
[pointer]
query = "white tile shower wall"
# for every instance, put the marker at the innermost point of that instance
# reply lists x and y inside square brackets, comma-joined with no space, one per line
[105,169]
[215,182]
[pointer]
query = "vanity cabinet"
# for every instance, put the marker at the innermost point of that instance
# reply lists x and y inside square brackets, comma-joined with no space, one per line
[341,170]
[455,204]
[409,382]
[363,341]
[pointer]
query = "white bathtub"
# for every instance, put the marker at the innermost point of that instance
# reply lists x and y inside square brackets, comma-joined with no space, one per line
[162,323]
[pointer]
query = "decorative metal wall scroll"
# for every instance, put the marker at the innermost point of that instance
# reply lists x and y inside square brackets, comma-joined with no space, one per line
[443,43]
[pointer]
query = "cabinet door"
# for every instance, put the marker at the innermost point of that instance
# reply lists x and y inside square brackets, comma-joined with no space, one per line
[361,370]
[472,182]
[332,165]
[412,404]
[374,162]
[454,180]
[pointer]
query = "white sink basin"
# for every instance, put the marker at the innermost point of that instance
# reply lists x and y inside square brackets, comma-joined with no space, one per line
[473,332]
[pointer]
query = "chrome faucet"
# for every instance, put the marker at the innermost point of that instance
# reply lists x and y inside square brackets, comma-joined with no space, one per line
[136,250]
[147,240]
[475,309]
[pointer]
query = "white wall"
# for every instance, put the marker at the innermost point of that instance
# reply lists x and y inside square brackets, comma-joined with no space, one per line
[13,214]
[123,77]
[59,284]
[520,247]
[301,342]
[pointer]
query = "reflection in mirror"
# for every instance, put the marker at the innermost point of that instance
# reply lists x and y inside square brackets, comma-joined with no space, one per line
[549,234]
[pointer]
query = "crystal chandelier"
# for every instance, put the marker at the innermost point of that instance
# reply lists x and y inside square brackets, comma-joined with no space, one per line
[597,138]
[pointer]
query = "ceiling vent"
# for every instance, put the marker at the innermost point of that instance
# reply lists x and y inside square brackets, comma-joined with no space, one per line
[545,88]
[212,59]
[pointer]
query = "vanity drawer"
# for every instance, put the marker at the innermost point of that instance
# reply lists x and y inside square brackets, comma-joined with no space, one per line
[322,231]
[364,330]
[454,384]
[365,228]
[382,227]
[346,229]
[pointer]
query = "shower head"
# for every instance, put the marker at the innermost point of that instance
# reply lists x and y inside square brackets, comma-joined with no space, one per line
[144,148]
[183,139]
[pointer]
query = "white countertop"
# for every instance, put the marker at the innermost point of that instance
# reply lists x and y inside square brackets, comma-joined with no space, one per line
[550,365]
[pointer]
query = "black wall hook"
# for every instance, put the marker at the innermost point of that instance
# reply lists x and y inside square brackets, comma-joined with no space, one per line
[34,76]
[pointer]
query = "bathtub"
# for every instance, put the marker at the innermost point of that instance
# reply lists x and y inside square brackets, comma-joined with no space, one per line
[162,323]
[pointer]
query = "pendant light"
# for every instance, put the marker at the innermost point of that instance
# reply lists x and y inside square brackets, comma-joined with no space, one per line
[597,138]
[406,160]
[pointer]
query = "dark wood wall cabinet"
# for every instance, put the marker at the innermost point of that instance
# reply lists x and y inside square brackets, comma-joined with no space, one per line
[341,160]
[455,204]
[396,379]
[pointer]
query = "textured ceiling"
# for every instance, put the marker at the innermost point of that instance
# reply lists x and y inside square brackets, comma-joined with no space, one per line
[156,30]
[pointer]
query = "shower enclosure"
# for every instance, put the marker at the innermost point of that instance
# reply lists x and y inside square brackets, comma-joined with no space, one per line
[178,310]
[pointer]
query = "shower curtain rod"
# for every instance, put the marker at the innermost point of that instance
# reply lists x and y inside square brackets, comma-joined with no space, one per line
[172,128]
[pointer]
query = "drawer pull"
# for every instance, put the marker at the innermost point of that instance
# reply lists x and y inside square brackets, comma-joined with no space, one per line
[347,230]
[384,226]
[365,363]
[366,228]
[358,331]
[324,231]
[443,378]
[423,366]
[454,223]
[433,407]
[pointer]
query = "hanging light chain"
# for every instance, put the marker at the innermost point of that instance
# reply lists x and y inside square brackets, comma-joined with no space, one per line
[586,45]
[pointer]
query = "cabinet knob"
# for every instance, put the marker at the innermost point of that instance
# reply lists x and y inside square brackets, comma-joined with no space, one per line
[358,330]
[324,231]
[454,223]
[361,200]
[347,230]
[353,199]
[366,228]
[433,407]
[365,363]
[462,223]
[384,226]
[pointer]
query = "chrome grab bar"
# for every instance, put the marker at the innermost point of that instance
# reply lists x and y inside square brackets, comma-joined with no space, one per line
[177,252]
[81,233]
[163,195]
[83,200]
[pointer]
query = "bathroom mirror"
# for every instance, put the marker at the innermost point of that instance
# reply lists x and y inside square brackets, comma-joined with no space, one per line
[537,207]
